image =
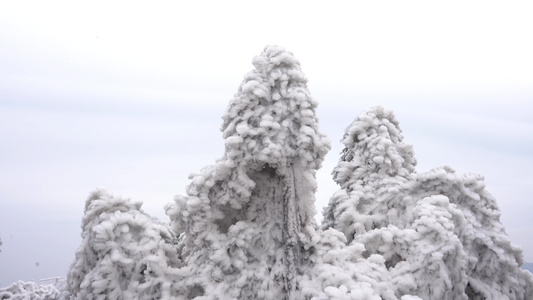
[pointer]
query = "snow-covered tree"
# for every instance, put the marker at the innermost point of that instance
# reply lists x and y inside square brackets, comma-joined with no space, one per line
[375,163]
[21,290]
[492,264]
[125,254]
[248,219]
[438,232]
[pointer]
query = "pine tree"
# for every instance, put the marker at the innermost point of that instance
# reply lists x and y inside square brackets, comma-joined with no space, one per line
[493,264]
[375,163]
[248,219]
[438,232]
[125,254]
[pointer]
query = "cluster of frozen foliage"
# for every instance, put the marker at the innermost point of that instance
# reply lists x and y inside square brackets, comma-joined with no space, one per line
[29,290]
[246,228]
[438,233]
[125,254]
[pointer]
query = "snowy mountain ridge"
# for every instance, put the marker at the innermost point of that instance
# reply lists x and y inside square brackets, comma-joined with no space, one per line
[246,228]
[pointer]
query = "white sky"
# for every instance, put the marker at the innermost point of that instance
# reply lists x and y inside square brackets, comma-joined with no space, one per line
[129,95]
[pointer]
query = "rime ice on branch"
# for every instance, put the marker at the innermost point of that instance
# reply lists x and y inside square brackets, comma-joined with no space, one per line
[248,219]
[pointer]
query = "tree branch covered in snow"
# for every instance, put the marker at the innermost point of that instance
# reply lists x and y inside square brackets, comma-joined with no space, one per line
[246,228]
[21,290]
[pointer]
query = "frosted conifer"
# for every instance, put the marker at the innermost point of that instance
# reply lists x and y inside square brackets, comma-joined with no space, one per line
[248,219]
[438,232]
[375,163]
[125,254]
[492,263]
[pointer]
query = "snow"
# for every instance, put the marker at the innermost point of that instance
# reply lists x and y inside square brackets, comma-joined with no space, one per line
[246,228]
[29,290]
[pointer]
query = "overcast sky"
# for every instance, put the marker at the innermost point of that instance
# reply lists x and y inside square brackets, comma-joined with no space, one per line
[128,96]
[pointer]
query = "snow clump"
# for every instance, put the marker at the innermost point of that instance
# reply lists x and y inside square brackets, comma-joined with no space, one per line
[21,290]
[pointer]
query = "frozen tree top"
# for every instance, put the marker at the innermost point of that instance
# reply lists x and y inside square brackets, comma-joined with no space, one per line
[438,232]
[374,144]
[272,118]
